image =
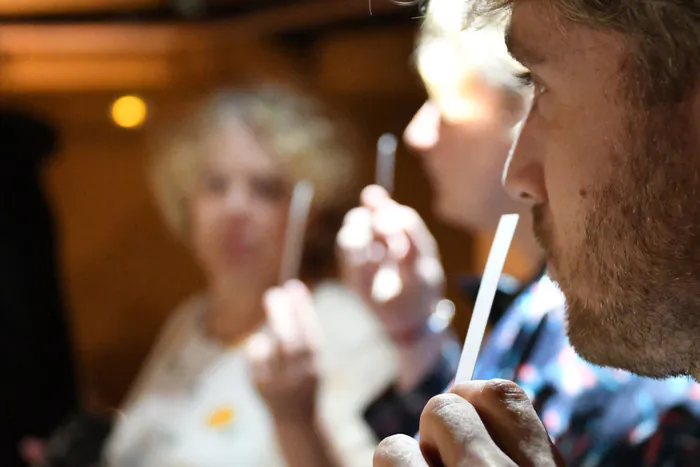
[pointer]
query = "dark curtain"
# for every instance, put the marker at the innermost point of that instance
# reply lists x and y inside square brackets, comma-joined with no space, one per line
[37,376]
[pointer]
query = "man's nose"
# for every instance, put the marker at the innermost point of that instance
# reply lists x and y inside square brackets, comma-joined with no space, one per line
[423,132]
[523,175]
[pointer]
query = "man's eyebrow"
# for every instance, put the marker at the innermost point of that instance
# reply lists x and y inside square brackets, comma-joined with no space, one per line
[521,53]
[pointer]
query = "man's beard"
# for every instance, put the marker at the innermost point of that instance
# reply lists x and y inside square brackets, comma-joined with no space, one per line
[633,284]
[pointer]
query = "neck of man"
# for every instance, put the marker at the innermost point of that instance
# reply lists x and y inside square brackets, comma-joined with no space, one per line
[235,310]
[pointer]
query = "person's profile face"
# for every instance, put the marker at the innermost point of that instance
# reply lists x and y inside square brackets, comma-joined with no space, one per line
[464,155]
[601,171]
[239,207]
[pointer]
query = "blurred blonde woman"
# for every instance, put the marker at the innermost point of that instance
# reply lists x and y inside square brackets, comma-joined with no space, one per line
[246,373]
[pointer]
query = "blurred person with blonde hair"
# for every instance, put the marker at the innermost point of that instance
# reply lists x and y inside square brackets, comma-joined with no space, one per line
[251,372]
[463,134]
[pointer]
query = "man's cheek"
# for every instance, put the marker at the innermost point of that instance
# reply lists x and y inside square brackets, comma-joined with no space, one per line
[566,206]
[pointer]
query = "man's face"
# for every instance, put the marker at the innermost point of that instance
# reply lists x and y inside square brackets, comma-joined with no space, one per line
[615,186]
[464,160]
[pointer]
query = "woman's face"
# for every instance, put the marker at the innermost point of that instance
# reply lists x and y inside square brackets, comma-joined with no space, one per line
[239,209]
[464,159]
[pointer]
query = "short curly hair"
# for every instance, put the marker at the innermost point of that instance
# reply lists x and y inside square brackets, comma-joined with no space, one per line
[298,131]
[665,36]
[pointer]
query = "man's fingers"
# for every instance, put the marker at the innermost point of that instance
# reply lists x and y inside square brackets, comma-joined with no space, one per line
[354,253]
[399,450]
[413,248]
[452,434]
[512,422]
[395,222]
[360,222]
[356,239]
[418,232]
[360,254]
[376,198]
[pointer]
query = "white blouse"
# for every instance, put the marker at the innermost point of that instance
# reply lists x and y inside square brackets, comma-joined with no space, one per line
[195,405]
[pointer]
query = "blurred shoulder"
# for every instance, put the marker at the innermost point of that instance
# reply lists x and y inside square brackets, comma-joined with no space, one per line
[333,293]
[348,324]
[358,361]
[340,309]
[185,316]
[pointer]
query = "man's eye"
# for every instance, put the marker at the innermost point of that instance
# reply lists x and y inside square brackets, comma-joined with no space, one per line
[526,79]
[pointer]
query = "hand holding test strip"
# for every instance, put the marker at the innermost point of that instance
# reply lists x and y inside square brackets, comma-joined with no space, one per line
[484,299]
[283,357]
[299,208]
[387,282]
[390,259]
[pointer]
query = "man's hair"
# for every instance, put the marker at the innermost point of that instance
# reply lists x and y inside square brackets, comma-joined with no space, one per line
[665,36]
[450,58]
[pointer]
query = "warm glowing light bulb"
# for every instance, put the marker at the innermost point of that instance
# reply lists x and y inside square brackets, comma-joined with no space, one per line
[129,111]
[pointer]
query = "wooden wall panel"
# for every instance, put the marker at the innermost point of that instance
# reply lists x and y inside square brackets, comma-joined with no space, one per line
[31,7]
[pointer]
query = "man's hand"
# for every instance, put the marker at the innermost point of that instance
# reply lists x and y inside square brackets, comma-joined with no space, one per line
[381,231]
[481,423]
[283,359]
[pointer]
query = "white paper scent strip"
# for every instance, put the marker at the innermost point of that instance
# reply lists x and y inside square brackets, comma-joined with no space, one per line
[485,297]
[386,161]
[299,208]
[387,282]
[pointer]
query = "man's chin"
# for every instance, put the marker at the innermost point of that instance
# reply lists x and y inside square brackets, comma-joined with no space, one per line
[596,348]
[588,334]
[594,340]
[601,353]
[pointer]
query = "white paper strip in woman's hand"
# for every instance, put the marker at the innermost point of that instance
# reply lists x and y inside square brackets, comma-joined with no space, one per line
[299,208]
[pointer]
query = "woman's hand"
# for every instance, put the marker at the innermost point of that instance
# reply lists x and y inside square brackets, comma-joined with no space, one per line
[283,359]
[285,371]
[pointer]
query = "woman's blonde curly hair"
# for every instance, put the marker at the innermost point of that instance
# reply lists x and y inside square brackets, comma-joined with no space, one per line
[298,132]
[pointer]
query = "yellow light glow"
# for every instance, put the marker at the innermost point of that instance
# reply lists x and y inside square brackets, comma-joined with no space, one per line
[129,111]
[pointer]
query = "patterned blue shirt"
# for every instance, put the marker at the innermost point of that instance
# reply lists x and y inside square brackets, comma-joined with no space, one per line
[597,416]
